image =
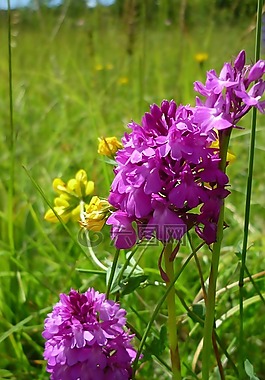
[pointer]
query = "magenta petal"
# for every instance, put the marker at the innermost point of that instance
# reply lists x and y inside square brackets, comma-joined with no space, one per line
[240,60]
[256,72]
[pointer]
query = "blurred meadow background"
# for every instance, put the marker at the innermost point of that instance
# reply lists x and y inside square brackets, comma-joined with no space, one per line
[79,73]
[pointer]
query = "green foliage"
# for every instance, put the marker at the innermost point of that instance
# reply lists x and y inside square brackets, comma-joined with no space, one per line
[74,80]
[156,345]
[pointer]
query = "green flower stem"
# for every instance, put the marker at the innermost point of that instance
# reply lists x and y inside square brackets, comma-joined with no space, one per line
[224,137]
[172,324]
[89,247]
[11,141]
[112,273]
[159,305]
[247,203]
[216,351]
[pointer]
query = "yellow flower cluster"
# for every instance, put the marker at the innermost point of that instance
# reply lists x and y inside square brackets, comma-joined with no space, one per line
[67,204]
[100,67]
[108,146]
[95,214]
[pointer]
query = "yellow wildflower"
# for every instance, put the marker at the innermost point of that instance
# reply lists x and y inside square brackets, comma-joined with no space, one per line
[95,214]
[67,204]
[201,58]
[108,146]
[99,67]
[123,80]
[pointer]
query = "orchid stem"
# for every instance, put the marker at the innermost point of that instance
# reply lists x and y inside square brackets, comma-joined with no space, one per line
[247,203]
[210,300]
[172,324]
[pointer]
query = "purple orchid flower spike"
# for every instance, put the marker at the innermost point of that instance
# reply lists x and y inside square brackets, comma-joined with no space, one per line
[167,166]
[158,179]
[86,340]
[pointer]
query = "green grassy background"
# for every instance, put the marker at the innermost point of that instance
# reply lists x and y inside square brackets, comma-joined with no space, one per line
[76,79]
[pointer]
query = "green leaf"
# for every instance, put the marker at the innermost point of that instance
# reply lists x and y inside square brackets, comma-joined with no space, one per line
[199,310]
[5,374]
[156,345]
[250,370]
[115,286]
[132,283]
[108,161]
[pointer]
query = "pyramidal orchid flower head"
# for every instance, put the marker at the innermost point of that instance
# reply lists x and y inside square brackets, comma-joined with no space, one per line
[160,177]
[86,339]
[231,94]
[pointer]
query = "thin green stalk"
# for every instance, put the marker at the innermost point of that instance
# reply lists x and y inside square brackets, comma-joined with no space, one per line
[142,59]
[247,203]
[112,272]
[127,262]
[172,317]
[224,137]
[216,351]
[11,141]
[251,279]
[199,320]
[210,301]
[16,284]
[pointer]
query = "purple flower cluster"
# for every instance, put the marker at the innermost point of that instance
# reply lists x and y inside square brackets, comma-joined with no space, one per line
[167,178]
[166,169]
[230,95]
[85,339]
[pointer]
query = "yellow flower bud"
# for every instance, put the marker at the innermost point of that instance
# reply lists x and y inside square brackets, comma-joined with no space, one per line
[81,176]
[108,146]
[61,202]
[52,218]
[80,186]
[75,214]
[59,186]
[90,187]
